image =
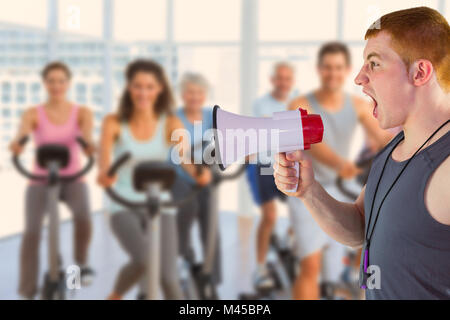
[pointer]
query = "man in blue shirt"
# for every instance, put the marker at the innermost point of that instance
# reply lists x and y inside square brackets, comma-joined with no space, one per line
[260,176]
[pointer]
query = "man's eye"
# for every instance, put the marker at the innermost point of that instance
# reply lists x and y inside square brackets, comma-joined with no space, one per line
[373,64]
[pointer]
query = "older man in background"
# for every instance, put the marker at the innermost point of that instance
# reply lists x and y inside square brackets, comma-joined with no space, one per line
[260,175]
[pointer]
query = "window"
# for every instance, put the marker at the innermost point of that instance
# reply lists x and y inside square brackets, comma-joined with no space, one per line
[447,10]
[81,17]
[20,87]
[35,87]
[293,20]
[81,88]
[6,86]
[20,99]
[6,113]
[19,112]
[207,20]
[6,98]
[31,13]
[360,14]
[148,22]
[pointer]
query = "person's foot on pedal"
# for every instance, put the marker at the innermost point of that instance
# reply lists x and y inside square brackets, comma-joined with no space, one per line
[86,275]
[114,296]
[262,279]
[141,296]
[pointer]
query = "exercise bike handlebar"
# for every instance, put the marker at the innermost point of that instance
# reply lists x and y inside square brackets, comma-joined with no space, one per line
[362,164]
[18,165]
[220,177]
[120,161]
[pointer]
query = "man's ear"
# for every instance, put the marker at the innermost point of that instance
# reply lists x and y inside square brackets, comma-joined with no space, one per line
[421,72]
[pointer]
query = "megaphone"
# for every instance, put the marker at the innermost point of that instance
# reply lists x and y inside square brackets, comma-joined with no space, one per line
[238,136]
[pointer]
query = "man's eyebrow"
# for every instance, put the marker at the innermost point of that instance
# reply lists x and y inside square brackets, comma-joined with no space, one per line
[373,54]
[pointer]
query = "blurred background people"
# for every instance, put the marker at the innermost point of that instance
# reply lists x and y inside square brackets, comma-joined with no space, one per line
[260,175]
[143,126]
[197,120]
[57,120]
[340,112]
[97,40]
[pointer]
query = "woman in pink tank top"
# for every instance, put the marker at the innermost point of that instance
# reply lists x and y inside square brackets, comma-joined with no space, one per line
[64,134]
[57,121]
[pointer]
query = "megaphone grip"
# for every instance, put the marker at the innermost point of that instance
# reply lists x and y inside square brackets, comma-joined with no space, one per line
[297,168]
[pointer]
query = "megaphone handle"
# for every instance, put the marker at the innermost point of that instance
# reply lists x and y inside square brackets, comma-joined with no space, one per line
[297,168]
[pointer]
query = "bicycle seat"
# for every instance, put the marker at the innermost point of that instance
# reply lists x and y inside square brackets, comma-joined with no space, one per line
[53,153]
[153,172]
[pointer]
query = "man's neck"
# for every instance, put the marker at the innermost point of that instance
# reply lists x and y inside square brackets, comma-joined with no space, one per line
[330,99]
[419,127]
[279,96]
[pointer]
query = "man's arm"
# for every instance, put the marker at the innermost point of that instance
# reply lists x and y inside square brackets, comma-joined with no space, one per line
[342,221]
[437,193]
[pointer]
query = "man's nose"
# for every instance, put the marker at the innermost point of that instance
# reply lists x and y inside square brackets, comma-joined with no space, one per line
[361,78]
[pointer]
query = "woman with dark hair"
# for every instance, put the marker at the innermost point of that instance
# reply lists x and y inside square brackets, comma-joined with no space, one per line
[143,126]
[55,121]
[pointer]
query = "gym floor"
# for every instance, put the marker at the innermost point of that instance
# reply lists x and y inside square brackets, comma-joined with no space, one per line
[106,257]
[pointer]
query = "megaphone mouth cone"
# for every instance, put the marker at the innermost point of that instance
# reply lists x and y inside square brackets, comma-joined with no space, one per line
[314,126]
[216,140]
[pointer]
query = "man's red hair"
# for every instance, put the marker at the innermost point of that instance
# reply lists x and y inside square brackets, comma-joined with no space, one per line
[418,33]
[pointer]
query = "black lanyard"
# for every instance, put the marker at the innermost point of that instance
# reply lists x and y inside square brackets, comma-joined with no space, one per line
[368,236]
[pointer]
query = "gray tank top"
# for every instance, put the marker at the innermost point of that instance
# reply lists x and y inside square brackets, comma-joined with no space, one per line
[409,246]
[339,128]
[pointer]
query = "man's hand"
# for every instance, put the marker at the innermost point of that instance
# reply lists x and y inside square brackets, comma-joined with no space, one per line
[348,170]
[285,173]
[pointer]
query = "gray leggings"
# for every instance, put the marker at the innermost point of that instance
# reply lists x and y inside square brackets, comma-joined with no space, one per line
[75,195]
[129,228]
[206,205]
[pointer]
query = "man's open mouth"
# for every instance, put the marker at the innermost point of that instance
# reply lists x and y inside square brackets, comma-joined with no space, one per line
[375,104]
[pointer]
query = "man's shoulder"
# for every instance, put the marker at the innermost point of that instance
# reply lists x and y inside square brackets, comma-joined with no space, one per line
[300,102]
[264,99]
[437,193]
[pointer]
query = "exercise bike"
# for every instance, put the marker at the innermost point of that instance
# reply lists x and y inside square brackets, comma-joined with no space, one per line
[201,273]
[155,179]
[53,157]
[282,270]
